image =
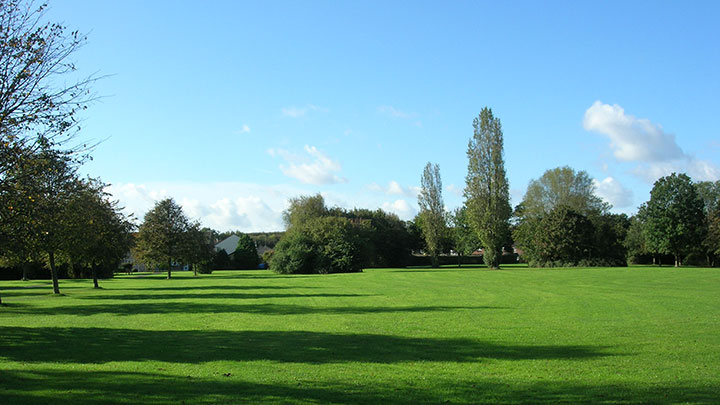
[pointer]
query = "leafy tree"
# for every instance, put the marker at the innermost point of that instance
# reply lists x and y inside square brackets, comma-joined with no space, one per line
[675,217]
[304,208]
[245,255]
[486,190]
[197,248]
[563,186]
[566,237]
[221,260]
[98,233]
[321,245]
[710,194]
[35,112]
[465,239]
[390,243]
[635,240]
[432,211]
[162,235]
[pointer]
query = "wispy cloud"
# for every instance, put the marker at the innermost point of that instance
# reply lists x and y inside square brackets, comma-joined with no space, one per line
[244,130]
[640,141]
[391,111]
[310,167]
[394,188]
[298,112]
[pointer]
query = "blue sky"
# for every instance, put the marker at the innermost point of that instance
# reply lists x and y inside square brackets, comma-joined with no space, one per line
[233,107]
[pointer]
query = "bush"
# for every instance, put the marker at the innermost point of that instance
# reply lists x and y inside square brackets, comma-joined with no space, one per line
[321,245]
[245,255]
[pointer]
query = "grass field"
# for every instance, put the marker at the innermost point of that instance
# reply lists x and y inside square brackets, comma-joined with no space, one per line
[636,335]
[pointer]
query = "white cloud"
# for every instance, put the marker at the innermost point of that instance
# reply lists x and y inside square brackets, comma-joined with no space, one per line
[400,207]
[610,190]
[298,112]
[312,167]
[640,141]
[223,206]
[244,130]
[394,188]
[452,188]
[632,139]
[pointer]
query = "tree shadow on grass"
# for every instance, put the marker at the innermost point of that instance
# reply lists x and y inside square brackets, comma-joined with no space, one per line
[101,345]
[130,309]
[65,387]
[212,295]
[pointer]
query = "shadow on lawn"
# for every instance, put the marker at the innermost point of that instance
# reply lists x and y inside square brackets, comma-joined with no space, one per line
[218,308]
[211,295]
[100,387]
[101,345]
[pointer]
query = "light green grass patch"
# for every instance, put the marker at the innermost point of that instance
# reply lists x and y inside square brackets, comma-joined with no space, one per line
[418,335]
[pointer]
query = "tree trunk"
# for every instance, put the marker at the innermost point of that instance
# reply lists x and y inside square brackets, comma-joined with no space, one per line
[459,259]
[53,273]
[94,274]
[169,269]
[25,266]
[677,261]
[434,261]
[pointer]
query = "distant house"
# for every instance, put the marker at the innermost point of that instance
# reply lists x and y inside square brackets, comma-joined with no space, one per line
[228,245]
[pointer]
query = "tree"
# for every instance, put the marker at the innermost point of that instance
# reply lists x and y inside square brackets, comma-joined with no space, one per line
[465,238]
[486,190]
[321,245]
[563,186]
[432,210]
[304,208]
[197,248]
[245,255]
[36,113]
[98,233]
[675,220]
[565,237]
[710,194]
[162,235]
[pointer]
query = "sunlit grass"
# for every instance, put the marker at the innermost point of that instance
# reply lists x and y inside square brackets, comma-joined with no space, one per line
[383,336]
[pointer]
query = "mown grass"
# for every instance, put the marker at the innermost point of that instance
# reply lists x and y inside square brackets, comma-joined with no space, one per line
[636,335]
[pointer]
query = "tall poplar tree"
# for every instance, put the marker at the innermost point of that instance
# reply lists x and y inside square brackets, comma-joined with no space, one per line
[432,211]
[486,187]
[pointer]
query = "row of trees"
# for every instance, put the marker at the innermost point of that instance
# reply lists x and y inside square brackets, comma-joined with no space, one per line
[47,212]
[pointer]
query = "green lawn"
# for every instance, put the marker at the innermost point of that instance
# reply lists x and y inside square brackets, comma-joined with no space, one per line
[636,335]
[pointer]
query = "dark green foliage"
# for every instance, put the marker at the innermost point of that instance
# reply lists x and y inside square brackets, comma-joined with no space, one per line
[432,211]
[245,255]
[390,242]
[163,235]
[321,245]
[221,260]
[564,236]
[486,191]
[675,217]
[465,239]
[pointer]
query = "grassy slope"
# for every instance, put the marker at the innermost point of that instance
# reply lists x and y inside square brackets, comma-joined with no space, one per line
[386,335]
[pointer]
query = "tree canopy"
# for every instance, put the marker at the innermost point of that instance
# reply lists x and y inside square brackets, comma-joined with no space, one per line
[675,217]
[486,190]
[163,234]
[432,210]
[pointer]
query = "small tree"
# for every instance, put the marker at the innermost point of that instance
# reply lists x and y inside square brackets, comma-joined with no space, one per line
[465,239]
[486,190]
[432,211]
[245,255]
[162,237]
